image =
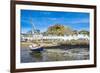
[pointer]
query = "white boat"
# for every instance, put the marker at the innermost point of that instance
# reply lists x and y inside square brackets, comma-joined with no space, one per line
[35,47]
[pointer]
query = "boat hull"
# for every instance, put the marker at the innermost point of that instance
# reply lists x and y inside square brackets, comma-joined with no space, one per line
[37,49]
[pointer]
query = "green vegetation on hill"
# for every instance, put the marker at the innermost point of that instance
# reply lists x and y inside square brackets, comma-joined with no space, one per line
[84,32]
[59,29]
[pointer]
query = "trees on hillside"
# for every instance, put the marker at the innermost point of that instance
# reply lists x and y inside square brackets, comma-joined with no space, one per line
[59,30]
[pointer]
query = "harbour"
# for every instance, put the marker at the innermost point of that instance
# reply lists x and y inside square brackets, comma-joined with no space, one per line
[58,53]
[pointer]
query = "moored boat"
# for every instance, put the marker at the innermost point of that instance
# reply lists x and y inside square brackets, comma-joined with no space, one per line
[36,48]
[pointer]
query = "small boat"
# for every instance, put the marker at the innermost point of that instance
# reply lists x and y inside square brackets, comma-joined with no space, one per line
[36,48]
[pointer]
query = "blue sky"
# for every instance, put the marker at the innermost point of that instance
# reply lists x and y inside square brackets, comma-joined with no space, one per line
[43,19]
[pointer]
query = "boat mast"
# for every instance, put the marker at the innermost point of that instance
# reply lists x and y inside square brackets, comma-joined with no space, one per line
[33,27]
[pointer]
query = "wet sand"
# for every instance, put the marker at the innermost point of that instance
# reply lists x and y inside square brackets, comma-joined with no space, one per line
[56,53]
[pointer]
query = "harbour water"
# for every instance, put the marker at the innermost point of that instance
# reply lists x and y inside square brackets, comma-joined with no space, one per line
[55,54]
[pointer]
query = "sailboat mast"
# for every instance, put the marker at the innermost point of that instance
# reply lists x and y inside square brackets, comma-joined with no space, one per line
[33,29]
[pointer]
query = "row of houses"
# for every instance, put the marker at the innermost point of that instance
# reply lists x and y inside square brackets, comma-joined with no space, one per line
[49,37]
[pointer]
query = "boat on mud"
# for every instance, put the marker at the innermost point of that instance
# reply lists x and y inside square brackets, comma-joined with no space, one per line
[36,48]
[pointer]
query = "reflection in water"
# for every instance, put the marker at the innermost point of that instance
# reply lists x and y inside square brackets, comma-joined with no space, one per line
[37,56]
[54,55]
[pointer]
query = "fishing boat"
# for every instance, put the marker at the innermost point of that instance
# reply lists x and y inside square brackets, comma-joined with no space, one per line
[36,48]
